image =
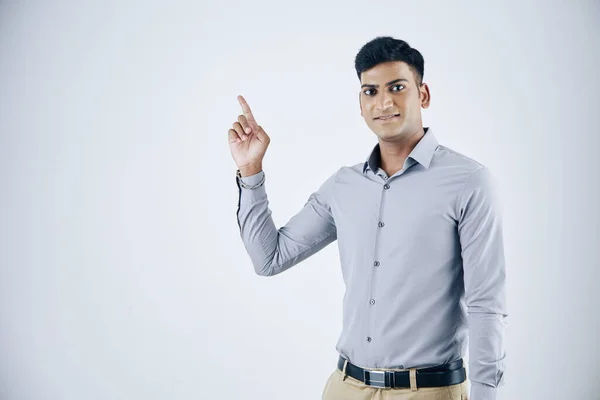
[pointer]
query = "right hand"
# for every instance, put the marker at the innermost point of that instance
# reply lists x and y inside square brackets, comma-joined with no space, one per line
[248,142]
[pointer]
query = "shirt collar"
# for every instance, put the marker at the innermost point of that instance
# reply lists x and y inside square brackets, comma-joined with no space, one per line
[422,153]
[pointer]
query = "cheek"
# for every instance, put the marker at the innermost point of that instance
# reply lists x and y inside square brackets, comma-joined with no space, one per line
[409,110]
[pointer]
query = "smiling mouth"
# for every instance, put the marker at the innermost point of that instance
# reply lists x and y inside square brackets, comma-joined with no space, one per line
[388,117]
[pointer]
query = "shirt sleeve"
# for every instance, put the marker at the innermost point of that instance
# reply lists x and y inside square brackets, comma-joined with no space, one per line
[482,250]
[273,250]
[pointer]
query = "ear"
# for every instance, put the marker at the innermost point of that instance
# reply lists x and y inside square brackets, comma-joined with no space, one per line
[425,95]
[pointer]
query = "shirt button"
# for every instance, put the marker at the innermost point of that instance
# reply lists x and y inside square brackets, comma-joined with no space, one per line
[376,263]
[372,301]
[386,186]
[381,224]
[368,338]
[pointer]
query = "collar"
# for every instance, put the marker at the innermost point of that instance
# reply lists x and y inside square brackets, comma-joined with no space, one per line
[422,153]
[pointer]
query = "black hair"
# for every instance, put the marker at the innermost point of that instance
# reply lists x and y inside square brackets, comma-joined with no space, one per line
[386,48]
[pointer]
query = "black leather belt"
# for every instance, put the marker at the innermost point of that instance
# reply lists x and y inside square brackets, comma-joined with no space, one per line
[441,375]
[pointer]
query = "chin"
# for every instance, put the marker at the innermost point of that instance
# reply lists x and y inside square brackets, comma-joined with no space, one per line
[386,135]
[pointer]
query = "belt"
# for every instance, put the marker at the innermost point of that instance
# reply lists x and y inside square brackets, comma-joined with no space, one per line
[441,375]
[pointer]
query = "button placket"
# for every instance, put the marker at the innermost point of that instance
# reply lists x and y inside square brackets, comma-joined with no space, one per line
[376,263]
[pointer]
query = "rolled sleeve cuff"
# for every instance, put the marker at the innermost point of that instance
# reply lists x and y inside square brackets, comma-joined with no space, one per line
[253,179]
[251,196]
[480,391]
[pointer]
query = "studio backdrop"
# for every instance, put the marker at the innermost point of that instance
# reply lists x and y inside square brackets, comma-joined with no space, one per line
[122,270]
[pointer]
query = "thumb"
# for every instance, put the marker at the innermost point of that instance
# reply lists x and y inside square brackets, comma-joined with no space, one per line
[260,133]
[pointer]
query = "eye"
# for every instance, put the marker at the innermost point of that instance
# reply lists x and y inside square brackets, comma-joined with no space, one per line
[372,92]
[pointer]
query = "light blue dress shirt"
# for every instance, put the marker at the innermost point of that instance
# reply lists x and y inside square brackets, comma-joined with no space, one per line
[421,254]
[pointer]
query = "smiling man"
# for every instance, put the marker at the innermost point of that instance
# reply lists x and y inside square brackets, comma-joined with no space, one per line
[393,110]
[419,231]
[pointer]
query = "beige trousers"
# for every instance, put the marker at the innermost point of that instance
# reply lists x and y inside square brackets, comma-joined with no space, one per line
[340,386]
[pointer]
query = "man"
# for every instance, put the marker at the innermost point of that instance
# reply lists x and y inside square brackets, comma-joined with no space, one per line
[419,231]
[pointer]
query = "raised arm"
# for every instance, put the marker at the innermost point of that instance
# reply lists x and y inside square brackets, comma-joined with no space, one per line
[274,250]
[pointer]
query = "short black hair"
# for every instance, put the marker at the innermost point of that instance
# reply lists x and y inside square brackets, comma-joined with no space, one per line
[386,48]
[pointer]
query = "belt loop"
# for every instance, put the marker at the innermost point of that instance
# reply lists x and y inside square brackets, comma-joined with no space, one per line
[413,379]
[344,370]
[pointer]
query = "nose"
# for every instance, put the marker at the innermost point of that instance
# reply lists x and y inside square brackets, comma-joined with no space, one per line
[385,101]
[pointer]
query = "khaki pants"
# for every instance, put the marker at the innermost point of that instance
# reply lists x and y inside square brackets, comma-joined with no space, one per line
[340,386]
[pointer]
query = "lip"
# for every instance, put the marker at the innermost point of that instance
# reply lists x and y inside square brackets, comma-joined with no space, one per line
[388,119]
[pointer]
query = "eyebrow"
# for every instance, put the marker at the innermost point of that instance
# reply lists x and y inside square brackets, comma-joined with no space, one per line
[387,84]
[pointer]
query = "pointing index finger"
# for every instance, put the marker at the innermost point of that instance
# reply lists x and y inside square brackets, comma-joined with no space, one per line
[246,109]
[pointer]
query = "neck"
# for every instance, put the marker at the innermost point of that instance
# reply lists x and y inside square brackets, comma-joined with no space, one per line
[393,154]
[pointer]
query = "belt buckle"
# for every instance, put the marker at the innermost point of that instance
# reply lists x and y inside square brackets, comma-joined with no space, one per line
[380,381]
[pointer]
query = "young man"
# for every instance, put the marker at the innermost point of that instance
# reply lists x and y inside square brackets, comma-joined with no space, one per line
[419,231]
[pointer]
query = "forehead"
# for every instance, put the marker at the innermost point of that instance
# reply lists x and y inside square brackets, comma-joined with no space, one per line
[387,71]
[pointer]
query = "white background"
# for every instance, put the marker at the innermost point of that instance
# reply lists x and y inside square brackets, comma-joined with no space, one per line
[122,271]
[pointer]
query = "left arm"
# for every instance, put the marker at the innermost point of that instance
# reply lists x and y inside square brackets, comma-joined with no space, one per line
[482,250]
